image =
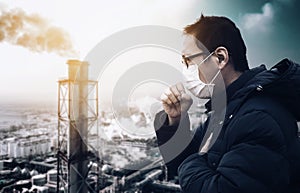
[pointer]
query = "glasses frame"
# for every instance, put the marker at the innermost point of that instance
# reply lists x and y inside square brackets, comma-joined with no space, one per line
[187,59]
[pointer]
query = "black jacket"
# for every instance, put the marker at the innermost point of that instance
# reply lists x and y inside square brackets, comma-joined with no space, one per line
[257,150]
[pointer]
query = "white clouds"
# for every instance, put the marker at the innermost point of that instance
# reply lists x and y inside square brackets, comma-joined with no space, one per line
[88,22]
[259,22]
[262,22]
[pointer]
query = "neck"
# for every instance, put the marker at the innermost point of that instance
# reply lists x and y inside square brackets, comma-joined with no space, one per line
[232,78]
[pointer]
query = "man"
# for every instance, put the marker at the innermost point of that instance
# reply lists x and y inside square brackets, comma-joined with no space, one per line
[249,144]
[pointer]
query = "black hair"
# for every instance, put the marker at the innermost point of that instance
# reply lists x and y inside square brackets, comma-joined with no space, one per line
[215,31]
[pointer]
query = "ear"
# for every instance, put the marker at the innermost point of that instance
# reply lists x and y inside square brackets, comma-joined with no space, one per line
[223,56]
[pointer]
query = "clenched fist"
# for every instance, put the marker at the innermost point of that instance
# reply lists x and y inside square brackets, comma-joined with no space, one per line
[176,102]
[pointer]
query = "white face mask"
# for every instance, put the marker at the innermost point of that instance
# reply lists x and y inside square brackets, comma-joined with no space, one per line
[195,85]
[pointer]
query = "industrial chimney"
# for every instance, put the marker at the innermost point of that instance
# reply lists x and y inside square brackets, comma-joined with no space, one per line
[75,117]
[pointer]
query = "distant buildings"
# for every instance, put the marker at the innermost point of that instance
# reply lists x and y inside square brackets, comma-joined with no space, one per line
[25,146]
[27,132]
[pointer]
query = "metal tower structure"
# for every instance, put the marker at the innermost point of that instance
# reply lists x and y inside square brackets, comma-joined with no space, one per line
[77,120]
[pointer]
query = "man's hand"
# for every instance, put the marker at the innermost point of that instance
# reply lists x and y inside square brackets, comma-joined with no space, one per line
[176,102]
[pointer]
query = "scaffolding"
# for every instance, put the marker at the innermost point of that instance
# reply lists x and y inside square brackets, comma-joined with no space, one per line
[77,121]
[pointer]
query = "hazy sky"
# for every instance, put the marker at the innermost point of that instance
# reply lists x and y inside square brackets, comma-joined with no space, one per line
[270,29]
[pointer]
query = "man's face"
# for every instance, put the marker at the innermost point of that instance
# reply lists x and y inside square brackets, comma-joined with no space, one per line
[209,68]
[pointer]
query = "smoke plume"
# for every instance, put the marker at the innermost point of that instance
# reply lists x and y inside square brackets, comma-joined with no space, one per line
[34,33]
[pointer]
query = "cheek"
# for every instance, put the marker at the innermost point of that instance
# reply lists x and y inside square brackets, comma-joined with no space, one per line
[202,76]
[208,71]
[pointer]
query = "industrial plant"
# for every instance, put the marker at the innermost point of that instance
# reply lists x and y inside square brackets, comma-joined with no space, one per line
[69,154]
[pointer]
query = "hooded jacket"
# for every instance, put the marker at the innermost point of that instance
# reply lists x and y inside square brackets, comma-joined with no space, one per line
[257,150]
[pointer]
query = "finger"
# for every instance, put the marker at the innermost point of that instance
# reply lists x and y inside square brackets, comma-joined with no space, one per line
[176,92]
[187,101]
[173,99]
[186,98]
[180,88]
[172,96]
[165,99]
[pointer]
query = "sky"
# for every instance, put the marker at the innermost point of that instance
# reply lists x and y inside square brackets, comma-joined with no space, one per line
[270,30]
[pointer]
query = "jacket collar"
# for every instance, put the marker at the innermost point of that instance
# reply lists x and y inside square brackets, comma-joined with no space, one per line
[238,84]
[232,89]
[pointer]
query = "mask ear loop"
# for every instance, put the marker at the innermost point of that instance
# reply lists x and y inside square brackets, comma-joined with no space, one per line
[210,90]
[215,76]
[213,79]
[198,65]
[205,59]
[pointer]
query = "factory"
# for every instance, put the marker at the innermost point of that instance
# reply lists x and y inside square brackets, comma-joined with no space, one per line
[75,158]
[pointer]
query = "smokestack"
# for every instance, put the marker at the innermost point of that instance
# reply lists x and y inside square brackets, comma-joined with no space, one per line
[77,116]
[78,128]
[35,33]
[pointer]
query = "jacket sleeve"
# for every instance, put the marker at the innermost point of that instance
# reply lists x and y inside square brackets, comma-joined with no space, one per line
[176,142]
[254,162]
